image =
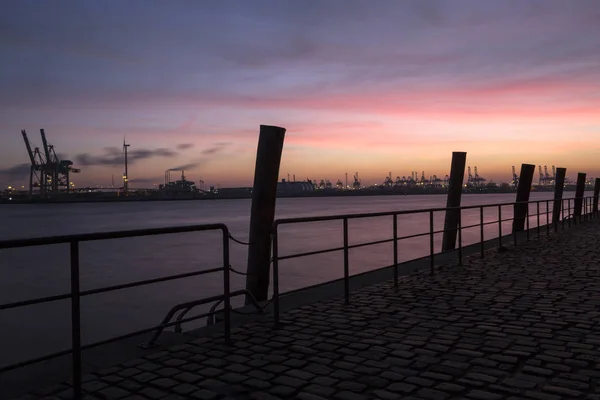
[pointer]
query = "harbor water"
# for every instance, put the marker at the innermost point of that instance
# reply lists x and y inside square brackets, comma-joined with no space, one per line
[44,271]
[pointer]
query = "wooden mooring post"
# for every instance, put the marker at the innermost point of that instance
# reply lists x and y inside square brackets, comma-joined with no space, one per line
[521,209]
[579,193]
[262,214]
[559,185]
[455,186]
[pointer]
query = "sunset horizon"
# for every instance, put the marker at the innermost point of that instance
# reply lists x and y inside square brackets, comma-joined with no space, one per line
[395,88]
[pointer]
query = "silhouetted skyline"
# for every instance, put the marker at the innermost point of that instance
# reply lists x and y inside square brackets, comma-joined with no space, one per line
[360,86]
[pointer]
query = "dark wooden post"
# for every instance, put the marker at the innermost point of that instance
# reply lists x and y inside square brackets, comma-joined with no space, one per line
[596,195]
[264,193]
[559,185]
[455,185]
[579,192]
[523,190]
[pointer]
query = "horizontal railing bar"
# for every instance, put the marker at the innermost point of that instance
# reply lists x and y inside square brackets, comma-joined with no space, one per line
[40,300]
[283,221]
[84,237]
[471,226]
[413,236]
[490,223]
[100,343]
[35,360]
[310,253]
[150,281]
[108,289]
[355,246]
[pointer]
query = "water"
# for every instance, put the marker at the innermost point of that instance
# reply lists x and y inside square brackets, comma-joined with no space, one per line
[44,271]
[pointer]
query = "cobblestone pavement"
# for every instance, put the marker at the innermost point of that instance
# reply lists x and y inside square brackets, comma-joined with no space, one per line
[523,324]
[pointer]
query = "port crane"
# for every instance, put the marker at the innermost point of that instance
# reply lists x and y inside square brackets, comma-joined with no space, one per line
[356,183]
[515,179]
[47,171]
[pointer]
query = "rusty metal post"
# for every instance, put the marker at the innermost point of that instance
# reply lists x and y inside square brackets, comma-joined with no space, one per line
[262,215]
[596,196]
[521,208]
[579,192]
[457,174]
[559,185]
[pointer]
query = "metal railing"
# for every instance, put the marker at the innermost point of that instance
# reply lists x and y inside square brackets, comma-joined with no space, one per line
[588,206]
[76,293]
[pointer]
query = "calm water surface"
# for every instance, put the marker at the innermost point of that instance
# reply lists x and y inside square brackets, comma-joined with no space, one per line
[44,271]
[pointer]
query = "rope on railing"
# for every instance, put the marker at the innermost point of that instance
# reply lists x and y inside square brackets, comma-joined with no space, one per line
[238,241]
[235,271]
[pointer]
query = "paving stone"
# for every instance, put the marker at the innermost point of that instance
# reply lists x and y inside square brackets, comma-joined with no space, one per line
[184,389]
[401,387]
[432,394]
[152,393]
[290,381]
[145,377]
[385,395]
[296,373]
[483,395]
[164,383]
[309,396]
[113,393]
[349,396]
[282,390]
[93,386]
[450,388]
[563,391]
[204,394]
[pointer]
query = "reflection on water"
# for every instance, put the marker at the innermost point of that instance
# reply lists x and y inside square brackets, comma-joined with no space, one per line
[44,271]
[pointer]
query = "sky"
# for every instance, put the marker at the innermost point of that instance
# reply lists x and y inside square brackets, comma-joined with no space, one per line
[361,86]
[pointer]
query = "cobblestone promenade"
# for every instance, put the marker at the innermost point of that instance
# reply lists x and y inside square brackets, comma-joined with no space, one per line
[523,324]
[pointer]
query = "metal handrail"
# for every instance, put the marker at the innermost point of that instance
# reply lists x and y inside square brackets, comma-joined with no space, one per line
[76,293]
[588,209]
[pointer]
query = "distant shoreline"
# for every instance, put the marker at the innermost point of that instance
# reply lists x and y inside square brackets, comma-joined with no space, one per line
[237,195]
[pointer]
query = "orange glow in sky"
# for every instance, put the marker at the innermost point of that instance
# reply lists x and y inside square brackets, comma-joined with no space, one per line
[360,88]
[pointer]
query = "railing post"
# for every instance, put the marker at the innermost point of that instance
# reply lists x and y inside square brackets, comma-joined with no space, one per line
[579,192]
[569,212]
[558,206]
[537,205]
[514,232]
[75,319]
[481,246]
[596,197]
[563,214]
[460,257]
[548,217]
[346,264]
[499,226]
[431,244]
[275,276]
[226,286]
[395,227]
[527,221]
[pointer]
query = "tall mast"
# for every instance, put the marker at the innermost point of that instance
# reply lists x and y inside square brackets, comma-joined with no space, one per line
[125,175]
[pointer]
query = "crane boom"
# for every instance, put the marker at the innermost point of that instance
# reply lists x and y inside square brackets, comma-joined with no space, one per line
[46,149]
[28,145]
